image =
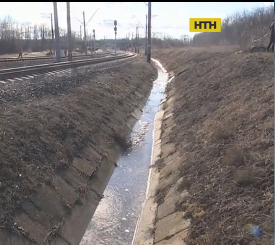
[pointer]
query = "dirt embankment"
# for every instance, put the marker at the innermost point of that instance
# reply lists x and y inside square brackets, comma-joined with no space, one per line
[219,143]
[46,123]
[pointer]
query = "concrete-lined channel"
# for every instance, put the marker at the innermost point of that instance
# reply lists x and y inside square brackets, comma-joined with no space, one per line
[59,212]
[115,219]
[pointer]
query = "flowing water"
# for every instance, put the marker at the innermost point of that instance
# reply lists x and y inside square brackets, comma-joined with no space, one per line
[115,219]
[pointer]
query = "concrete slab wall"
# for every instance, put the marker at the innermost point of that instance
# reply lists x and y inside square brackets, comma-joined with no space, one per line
[59,212]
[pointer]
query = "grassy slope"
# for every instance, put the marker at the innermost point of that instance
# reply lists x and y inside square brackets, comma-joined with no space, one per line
[45,123]
[224,115]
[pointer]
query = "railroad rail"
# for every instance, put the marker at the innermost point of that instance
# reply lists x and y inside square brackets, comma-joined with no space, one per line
[29,70]
[3,60]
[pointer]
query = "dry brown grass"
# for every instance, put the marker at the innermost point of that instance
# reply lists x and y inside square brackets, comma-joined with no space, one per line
[223,113]
[45,124]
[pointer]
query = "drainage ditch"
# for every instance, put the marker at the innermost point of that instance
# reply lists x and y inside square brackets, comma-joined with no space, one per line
[116,216]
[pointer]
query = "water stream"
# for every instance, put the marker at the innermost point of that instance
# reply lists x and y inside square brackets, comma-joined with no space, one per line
[116,216]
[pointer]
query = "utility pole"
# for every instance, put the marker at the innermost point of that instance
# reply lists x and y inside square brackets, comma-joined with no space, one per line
[94,39]
[129,41]
[132,42]
[125,43]
[80,32]
[149,33]
[70,48]
[115,29]
[84,26]
[90,42]
[146,43]
[57,44]
[50,16]
[52,29]
[136,39]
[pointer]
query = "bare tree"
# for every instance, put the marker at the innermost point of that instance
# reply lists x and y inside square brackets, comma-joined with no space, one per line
[14,36]
[247,28]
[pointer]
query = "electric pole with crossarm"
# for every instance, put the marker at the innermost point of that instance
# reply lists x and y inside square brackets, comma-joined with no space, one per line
[149,34]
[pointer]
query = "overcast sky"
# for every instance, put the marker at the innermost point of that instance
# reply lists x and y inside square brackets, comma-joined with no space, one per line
[171,18]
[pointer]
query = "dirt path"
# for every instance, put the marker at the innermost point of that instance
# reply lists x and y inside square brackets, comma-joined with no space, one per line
[47,122]
[216,162]
[25,54]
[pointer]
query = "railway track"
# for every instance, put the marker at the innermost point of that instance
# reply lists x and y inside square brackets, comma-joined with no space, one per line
[40,69]
[4,60]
